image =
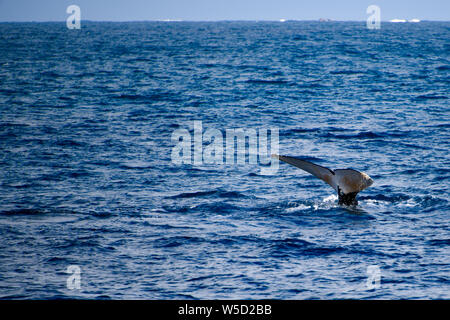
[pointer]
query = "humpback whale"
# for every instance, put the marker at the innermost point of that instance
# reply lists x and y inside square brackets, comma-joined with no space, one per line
[347,182]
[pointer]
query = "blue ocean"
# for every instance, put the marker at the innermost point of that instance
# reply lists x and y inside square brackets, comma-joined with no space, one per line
[93,205]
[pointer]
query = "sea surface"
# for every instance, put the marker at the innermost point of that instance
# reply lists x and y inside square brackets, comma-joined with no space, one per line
[87,176]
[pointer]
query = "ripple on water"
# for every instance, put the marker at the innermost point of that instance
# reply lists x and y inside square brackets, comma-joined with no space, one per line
[87,178]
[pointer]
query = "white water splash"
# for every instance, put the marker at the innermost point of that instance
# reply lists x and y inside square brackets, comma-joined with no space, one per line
[298,207]
[330,198]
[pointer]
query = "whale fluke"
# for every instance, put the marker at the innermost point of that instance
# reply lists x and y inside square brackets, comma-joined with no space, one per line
[346,182]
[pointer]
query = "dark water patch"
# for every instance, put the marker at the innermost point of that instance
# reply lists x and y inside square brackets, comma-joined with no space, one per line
[136,166]
[22,185]
[392,198]
[320,131]
[69,143]
[59,296]
[346,72]
[65,98]
[131,97]
[439,242]
[64,174]
[300,38]
[101,214]
[430,201]
[179,296]
[177,208]
[77,243]
[35,141]
[6,124]
[140,114]
[231,194]
[14,297]
[56,260]
[290,243]
[441,171]
[101,162]
[200,170]
[265,81]
[176,241]
[253,67]
[217,208]
[165,226]
[202,278]
[363,251]
[377,136]
[215,193]
[324,251]
[79,173]
[359,135]
[429,97]
[107,229]
[295,131]
[440,125]
[298,247]
[228,241]
[25,212]
[414,146]
[443,68]
[193,194]
[412,171]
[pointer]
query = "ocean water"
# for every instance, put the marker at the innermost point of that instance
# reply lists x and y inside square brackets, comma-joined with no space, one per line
[87,178]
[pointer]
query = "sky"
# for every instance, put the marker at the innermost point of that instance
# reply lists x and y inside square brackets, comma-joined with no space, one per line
[212,10]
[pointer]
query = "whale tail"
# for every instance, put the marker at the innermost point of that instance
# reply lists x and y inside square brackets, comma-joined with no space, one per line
[346,182]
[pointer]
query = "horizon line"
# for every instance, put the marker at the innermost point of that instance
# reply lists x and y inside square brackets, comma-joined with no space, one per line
[326,20]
